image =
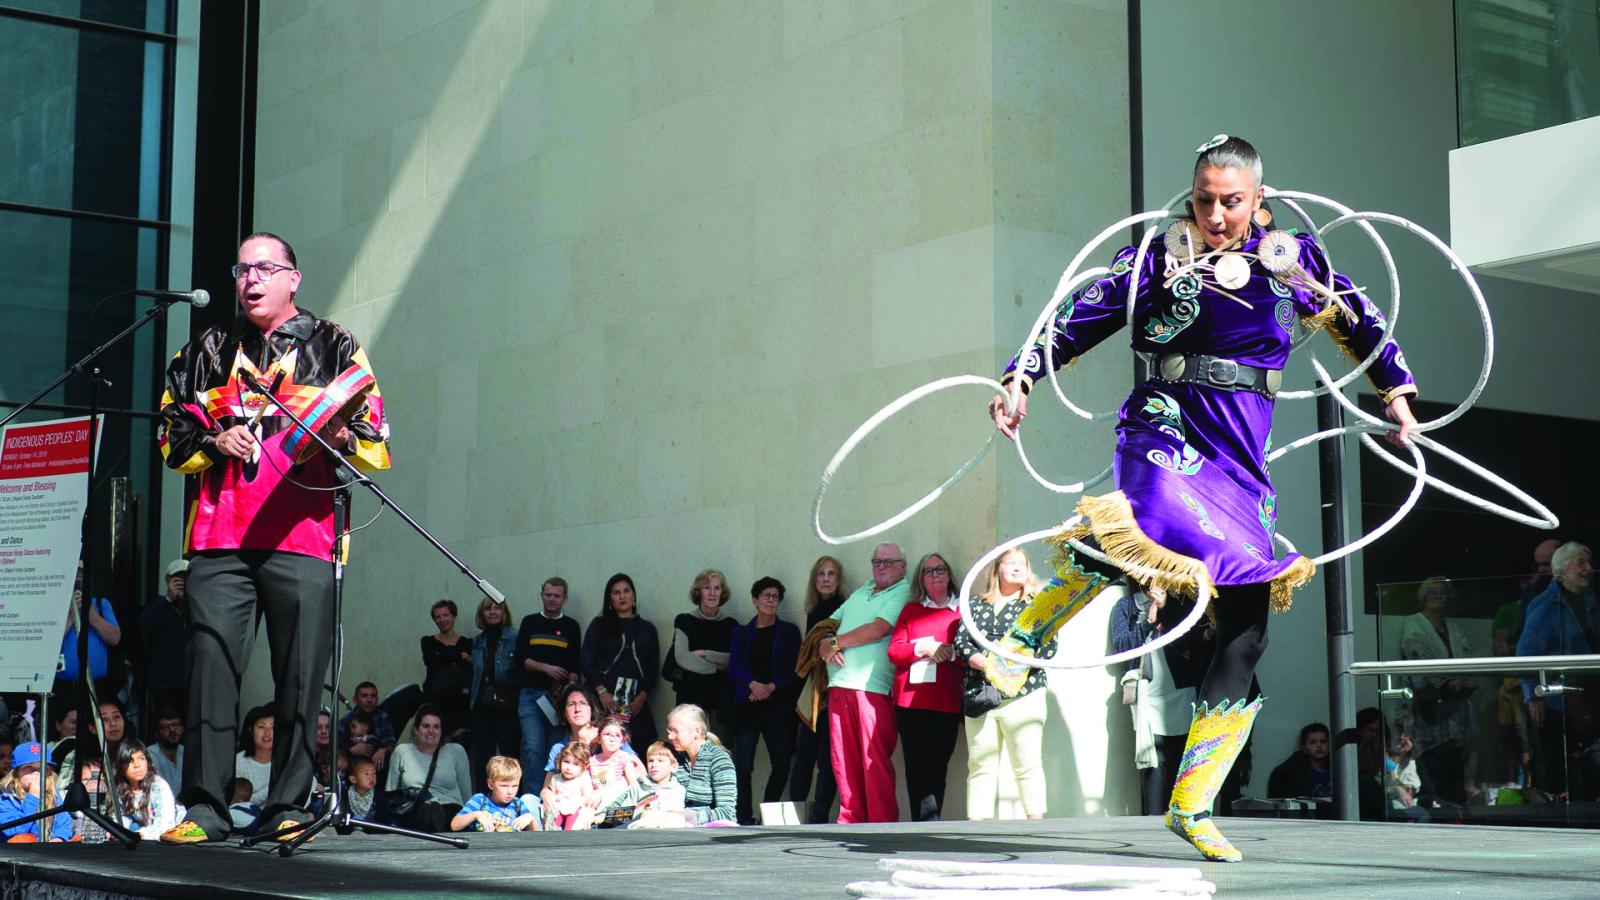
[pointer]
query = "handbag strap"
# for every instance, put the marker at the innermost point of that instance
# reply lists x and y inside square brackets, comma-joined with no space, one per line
[432,767]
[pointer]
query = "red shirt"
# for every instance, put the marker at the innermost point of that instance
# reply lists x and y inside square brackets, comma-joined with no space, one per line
[919,621]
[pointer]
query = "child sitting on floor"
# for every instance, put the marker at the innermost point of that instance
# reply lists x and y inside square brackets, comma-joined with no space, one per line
[614,768]
[500,809]
[656,799]
[20,793]
[241,812]
[362,794]
[567,795]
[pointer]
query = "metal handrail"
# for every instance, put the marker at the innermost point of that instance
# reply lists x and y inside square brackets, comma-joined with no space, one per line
[1477,665]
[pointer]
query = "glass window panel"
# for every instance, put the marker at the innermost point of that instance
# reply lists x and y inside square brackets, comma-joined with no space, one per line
[145,15]
[1524,65]
[81,122]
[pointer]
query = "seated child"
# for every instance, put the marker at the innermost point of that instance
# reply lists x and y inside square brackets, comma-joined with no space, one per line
[89,775]
[360,741]
[20,791]
[569,795]
[362,794]
[500,809]
[144,798]
[614,768]
[241,812]
[656,798]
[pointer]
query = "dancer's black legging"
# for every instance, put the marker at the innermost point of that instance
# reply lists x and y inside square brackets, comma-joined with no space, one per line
[1241,613]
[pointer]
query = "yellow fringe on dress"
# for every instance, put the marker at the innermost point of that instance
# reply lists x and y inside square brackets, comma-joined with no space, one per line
[1322,319]
[1288,581]
[1109,519]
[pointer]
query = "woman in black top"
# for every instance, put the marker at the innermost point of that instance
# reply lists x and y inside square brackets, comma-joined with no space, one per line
[762,664]
[621,659]
[824,595]
[701,640]
[447,658]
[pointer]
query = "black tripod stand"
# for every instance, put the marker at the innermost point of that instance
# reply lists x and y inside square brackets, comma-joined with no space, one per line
[77,799]
[334,814]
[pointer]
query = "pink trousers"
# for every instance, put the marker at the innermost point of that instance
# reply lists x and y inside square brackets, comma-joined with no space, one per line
[862,743]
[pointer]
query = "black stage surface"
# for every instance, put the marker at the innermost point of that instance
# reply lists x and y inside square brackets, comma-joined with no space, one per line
[1284,858]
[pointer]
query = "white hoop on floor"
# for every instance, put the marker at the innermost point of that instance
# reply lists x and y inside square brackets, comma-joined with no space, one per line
[984,880]
[964,605]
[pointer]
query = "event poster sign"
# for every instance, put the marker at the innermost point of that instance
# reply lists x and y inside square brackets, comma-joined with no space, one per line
[43,492]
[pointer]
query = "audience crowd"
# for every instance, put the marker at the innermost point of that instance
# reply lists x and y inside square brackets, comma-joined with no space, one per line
[545,723]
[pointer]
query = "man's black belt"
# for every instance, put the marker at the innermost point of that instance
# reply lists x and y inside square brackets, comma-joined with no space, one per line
[1214,371]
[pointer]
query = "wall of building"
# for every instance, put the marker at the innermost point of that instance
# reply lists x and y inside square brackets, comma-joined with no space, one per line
[630,272]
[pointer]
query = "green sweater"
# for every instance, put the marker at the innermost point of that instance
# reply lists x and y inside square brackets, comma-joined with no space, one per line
[710,785]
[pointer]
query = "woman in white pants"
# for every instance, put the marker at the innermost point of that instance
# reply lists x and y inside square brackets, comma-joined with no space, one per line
[1010,722]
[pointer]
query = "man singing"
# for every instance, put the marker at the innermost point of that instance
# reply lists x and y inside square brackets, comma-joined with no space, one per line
[259,530]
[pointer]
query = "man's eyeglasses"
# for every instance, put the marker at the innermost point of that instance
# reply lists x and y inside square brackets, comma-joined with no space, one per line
[936,570]
[886,563]
[264,270]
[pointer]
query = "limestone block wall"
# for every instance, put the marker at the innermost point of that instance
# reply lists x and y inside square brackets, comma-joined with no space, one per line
[630,271]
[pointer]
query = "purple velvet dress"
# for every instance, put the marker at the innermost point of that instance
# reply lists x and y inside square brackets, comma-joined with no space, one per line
[1191,458]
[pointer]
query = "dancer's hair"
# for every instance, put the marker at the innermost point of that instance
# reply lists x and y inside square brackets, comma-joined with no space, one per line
[1233,153]
[992,593]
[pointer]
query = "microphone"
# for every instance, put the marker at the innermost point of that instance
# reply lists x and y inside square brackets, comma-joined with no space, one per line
[199,299]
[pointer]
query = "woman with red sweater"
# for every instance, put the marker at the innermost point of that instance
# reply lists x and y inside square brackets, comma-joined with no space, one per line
[927,685]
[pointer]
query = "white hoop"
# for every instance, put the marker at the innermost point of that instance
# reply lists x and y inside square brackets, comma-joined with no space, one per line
[964,606]
[866,428]
[1394,293]
[1472,288]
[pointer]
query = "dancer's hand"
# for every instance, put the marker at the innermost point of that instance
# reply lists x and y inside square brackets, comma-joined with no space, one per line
[1008,423]
[1399,412]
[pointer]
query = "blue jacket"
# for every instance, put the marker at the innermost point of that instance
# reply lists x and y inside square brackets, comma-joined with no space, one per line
[785,653]
[13,808]
[1555,627]
[504,652]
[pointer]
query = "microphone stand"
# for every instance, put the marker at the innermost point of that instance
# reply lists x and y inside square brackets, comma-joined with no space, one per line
[76,799]
[334,813]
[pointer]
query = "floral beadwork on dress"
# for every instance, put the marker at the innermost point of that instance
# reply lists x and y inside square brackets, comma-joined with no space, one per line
[1186,462]
[1199,509]
[1163,328]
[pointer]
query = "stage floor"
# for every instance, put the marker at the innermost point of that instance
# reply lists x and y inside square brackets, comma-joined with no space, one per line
[1284,858]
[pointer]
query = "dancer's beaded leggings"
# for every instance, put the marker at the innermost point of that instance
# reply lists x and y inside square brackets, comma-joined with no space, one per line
[1241,613]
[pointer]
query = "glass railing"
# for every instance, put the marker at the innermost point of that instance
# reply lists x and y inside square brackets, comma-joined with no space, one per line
[1522,65]
[1490,705]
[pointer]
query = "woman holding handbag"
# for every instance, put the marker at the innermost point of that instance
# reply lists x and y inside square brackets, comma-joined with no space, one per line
[428,780]
[1012,723]
[621,659]
[496,690]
